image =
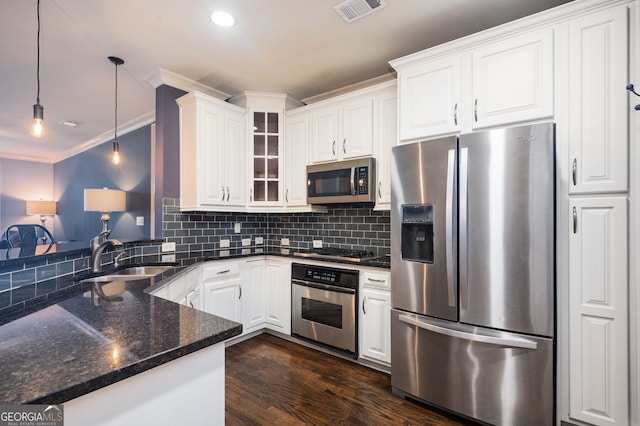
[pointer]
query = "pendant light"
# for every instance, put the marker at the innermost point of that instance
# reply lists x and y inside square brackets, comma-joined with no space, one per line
[116,147]
[37,126]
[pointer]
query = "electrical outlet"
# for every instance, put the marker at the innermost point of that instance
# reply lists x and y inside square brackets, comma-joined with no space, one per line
[259,240]
[225,243]
[168,247]
[237,227]
[284,241]
[139,220]
[168,257]
[317,243]
[246,242]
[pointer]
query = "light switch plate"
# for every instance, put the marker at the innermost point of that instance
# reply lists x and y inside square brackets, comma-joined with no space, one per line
[259,240]
[225,243]
[284,241]
[139,220]
[168,247]
[317,243]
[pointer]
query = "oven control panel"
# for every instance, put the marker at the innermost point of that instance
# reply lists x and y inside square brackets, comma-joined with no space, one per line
[321,274]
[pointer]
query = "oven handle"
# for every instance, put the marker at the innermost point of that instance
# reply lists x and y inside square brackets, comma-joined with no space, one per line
[327,287]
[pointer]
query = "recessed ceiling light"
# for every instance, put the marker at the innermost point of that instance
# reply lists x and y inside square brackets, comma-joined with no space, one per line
[69,123]
[223,19]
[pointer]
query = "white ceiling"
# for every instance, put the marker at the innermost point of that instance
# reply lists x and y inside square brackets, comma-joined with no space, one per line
[300,47]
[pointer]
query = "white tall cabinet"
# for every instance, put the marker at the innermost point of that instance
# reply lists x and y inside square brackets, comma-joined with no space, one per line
[569,65]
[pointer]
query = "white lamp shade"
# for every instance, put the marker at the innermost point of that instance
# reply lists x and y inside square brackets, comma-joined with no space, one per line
[40,207]
[105,200]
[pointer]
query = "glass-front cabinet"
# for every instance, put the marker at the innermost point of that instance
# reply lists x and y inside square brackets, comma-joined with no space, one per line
[267,158]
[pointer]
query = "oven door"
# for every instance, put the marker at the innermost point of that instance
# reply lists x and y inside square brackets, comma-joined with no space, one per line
[325,314]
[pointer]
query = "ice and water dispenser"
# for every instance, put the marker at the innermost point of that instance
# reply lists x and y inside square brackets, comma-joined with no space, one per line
[417,232]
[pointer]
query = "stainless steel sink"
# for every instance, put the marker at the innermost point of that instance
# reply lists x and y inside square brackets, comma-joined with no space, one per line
[148,271]
[129,274]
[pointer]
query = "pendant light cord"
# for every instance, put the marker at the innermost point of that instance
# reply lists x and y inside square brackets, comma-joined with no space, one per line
[115,134]
[38,56]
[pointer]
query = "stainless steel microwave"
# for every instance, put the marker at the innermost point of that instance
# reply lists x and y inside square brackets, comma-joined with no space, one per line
[350,181]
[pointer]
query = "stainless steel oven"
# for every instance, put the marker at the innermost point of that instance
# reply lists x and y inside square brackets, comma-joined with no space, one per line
[323,306]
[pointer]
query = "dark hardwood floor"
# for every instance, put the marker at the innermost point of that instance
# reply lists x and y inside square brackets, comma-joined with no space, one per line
[271,381]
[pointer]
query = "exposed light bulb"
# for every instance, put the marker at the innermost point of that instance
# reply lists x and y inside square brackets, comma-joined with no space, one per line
[116,153]
[37,125]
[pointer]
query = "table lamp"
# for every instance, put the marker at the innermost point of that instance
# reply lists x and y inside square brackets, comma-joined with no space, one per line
[105,201]
[42,208]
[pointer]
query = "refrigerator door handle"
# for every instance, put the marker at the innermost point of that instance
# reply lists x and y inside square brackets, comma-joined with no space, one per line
[463,228]
[512,342]
[451,288]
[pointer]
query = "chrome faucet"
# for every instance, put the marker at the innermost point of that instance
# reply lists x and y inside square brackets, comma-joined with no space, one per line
[98,247]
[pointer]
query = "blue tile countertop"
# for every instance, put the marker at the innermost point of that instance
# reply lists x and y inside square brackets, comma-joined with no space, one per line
[84,342]
[66,348]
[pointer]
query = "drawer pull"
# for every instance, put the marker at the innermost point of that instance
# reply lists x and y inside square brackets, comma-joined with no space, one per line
[223,272]
[375,280]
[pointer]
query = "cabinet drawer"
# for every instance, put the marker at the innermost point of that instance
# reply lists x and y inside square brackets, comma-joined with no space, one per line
[377,280]
[217,270]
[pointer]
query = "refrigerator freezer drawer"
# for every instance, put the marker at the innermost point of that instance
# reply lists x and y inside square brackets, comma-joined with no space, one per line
[496,377]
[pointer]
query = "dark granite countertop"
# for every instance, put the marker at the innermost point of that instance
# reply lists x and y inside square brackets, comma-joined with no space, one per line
[69,347]
[84,343]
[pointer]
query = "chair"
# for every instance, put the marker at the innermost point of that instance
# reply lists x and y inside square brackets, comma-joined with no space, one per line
[27,236]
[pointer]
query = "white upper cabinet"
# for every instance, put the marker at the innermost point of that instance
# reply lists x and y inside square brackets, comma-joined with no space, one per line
[212,153]
[598,117]
[513,80]
[476,86]
[296,158]
[342,130]
[266,155]
[386,137]
[429,98]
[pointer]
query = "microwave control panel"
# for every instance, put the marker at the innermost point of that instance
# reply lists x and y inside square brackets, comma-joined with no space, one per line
[362,174]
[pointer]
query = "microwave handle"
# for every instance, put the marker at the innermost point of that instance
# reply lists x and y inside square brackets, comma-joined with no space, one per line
[353,181]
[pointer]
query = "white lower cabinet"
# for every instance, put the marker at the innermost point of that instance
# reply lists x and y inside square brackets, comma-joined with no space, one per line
[254,290]
[375,316]
[221,291]
[598,372]
[278,276]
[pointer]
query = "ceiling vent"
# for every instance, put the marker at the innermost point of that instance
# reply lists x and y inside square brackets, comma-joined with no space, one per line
[352,10]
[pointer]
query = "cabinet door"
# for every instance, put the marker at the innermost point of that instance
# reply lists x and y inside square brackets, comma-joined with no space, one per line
[429,99]
[376,324]
[357,129]
[279,296]
[265,159]
[598,117]
[598,373]
[211,179]
[222,298]
[386,138]
[324,135]
[297,139]
[235,159]
[513,80]
[253,294]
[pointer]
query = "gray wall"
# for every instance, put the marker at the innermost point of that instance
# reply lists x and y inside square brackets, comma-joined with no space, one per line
[167,150]
[93,169]
[21,181]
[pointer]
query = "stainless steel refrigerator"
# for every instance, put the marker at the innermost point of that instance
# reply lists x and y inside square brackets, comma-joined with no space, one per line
[472,267]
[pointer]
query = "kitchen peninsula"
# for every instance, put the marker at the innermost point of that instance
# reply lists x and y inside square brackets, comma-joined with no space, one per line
[109,359]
